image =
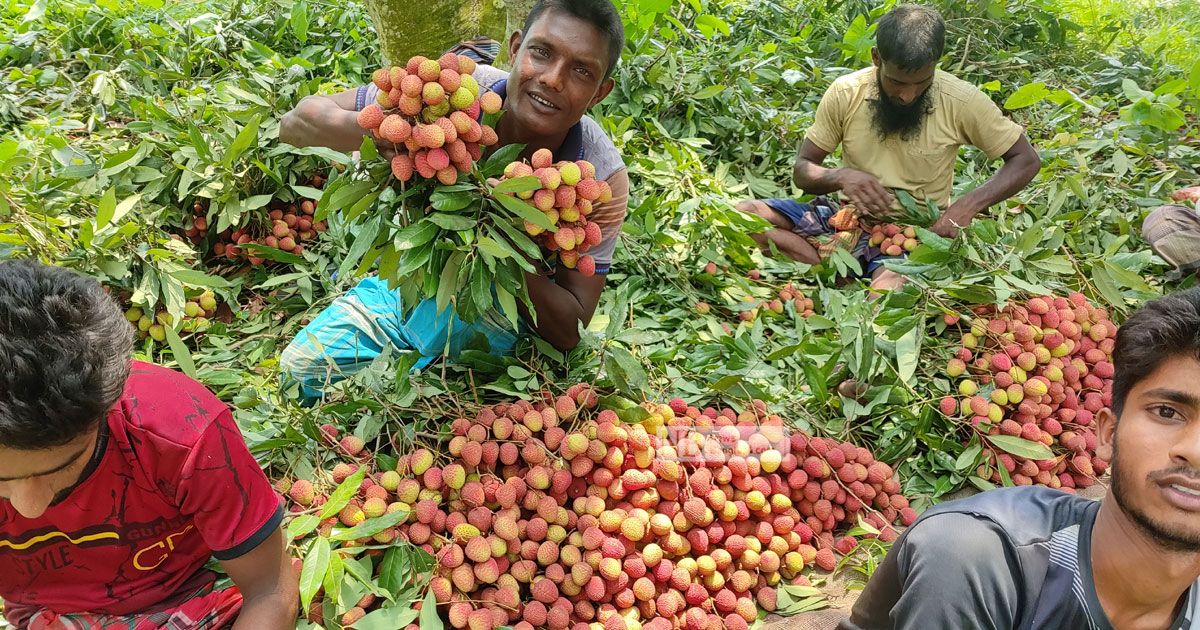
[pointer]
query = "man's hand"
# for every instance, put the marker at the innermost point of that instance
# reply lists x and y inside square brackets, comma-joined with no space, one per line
[954,218]
[865,192]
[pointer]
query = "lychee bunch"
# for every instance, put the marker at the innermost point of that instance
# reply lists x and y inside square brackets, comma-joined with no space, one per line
[431,107]
[567,195]
[892,239]
[290,226]
[197,314]
[1040,370]
[551,513]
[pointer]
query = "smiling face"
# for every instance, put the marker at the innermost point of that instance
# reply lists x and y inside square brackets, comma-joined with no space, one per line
[1155,453]
[558,73]
[32,479]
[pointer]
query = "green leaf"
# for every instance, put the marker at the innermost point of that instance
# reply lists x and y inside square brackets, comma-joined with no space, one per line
[244,140]
[1106,286]
[451,201]
[342,495]
[394,570]
[106,208]
[333,577]
[179,350]
[316,563]
[363,242]
[370,527]
[1026,95]
[451,222]
[300,526]
[337,197]
[386,618]
[273,254]
[526,212]
[517,185]
[429,617]
[908,349]
[416,234]
[709,92]
[299,21]
[192,277]
[1020,446]
[1194,78]
[448,280]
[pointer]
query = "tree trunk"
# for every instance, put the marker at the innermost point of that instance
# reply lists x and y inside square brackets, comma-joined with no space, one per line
[437,26]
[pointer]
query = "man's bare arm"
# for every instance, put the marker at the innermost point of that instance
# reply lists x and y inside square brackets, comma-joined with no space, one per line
[562,303]
[1021,165]
[269,586]
[862,189]
[325,121]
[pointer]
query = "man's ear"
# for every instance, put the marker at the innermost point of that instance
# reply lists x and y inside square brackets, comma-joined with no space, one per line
[1106,433]
[514,45]
[602,93]
[875,58]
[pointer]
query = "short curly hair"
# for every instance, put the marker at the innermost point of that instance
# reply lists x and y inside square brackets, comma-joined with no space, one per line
[65,352]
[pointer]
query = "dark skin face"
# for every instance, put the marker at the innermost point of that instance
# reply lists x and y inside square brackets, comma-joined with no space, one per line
[558,74]
[902,87]
[1146,540]
[30,480]
[1157,449]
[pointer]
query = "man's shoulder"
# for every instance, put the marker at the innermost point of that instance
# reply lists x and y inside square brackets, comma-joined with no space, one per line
[957,90]
[487,76]
[164,405]
[854,81]
[599,149]
[1027,515]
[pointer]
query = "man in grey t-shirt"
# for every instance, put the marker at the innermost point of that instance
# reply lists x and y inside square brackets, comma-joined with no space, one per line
[1036,558]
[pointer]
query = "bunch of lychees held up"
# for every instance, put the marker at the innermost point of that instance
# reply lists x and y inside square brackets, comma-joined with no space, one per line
[567,196]
[430,110]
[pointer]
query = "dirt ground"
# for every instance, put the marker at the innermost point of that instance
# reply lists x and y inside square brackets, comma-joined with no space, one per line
[841,599]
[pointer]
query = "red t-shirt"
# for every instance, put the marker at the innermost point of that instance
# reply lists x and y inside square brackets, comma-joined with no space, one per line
[172,484]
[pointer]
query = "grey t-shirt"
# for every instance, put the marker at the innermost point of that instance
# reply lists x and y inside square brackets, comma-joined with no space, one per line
[1008,558]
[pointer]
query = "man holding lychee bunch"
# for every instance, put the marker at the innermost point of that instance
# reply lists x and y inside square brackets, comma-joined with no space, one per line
[900,124]
[563,61]
[120,480]
[1037,558]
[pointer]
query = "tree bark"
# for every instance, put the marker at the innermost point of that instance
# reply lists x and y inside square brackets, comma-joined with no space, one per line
[438,25]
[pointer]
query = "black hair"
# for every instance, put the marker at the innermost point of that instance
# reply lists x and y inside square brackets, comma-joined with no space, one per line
[911,36]
[64,354]
[1162,328]
[599,13]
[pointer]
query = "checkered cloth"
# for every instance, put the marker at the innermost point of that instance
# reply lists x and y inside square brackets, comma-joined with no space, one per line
[1174,234]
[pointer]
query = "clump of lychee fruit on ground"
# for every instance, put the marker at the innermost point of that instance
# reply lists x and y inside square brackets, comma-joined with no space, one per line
[554,514]
[291,227]
[567,194]
[429,110]
[197,316]
[1038,370]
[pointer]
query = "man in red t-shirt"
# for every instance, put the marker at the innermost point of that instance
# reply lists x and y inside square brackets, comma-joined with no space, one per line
[120,479]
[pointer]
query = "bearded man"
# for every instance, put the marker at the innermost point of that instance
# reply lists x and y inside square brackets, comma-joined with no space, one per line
[900,124]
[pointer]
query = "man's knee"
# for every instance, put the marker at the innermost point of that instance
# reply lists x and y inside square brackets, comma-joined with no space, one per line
[751,206]
[1162,217]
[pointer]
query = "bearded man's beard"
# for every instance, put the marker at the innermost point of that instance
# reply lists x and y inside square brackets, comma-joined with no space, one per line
[893,119]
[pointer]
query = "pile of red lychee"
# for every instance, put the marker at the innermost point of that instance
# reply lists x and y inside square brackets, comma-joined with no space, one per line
[552,514]
[1041,371]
